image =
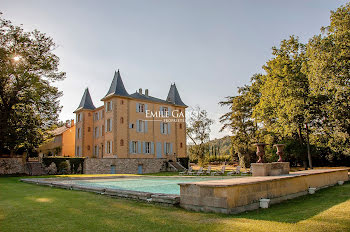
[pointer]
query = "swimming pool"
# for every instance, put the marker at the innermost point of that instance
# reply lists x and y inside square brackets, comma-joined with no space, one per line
[165,185]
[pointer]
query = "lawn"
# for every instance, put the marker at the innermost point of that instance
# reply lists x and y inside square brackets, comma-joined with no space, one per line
[28,207]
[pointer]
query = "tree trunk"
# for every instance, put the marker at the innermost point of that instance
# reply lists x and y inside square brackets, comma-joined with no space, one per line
[308,145]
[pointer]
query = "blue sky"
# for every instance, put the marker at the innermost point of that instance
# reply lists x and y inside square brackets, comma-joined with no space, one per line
[208,48]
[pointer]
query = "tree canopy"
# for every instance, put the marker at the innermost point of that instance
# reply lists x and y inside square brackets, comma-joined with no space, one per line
[301,99]
[29,104]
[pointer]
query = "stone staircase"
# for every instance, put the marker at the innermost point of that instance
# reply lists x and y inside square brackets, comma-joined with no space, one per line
[176,165]
[35,168]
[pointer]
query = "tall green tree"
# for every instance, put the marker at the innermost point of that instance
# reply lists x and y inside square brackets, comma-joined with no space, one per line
[283,107]
[329,78]
[198,130]
[29,104]
[240,122]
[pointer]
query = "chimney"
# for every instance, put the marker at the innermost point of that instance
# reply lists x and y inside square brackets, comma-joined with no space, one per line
[72,123]
[140,90]
[146,92]
[67,123]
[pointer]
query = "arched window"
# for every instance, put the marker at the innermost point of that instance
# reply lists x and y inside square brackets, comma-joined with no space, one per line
[180,125]
[121,120]
[121,142]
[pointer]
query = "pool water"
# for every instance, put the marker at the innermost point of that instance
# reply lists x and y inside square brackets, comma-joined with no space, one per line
[166,185]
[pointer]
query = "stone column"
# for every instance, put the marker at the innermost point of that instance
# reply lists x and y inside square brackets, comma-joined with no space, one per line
[279,151]
[260,152]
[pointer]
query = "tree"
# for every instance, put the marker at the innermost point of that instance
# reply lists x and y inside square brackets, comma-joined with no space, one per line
[240,121]
[283,107]
[329,78]
[198,130]
[29,104]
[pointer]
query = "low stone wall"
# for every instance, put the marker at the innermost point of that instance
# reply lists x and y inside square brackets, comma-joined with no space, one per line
[122,166]
[10,166]
[242,194]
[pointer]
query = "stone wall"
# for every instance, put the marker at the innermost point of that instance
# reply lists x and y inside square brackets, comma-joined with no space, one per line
[241,194]
[11,166]
[122,166]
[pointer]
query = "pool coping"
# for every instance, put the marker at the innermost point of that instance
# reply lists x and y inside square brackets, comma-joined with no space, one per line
[161,198]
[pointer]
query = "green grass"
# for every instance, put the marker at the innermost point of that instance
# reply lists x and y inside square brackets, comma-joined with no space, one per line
[28,207]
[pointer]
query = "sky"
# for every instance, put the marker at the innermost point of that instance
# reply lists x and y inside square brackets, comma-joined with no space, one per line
[208,48]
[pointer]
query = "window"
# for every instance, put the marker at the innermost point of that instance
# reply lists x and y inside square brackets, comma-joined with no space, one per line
[147,148]
[96,116]
[140,126]
[133,147]
[109,106]
[96,151]
[79,117]
[131,126]
[109,147]
[89,114]
[121,102]
[164,128]
[78,151]
[96,132]
[140,107]
[103,130]
[121,142]
[88,147]
[121,120]
[180,145]
[109,125]
[164,111]
[167,148]
[89,129]
[180,125]
[79,133]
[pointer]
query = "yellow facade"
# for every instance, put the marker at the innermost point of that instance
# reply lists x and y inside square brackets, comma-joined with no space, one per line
[125,127]
[63,142]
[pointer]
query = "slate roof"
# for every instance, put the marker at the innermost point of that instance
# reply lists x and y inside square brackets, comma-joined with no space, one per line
[137,95]
[86,102]
[174,96]
[117,86]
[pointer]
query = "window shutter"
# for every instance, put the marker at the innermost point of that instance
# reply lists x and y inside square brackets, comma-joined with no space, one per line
[110,124]
[130,147]
[161,128]
[111,147]
[168,127]
[146,126]
[161,110]
[106,148]
[130,125]
[145,108]
[137,107]
[171,148]
[106,125]
[143,147]
[169,111]
[111,105]
[137,125]
[165,151]
[139,147]
[152,148]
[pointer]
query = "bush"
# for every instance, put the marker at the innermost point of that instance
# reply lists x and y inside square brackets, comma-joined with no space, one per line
[62,165]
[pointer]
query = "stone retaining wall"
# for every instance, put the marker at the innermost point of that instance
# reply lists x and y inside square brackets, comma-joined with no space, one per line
[122,166]
[242,194]
[10,166]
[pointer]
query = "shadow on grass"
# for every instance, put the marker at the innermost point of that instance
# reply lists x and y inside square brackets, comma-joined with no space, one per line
[302,208]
